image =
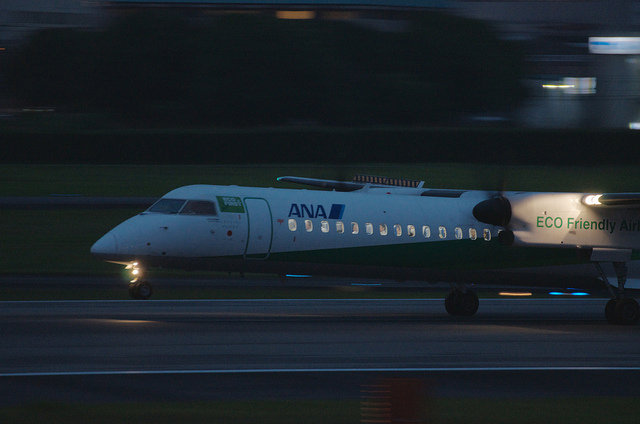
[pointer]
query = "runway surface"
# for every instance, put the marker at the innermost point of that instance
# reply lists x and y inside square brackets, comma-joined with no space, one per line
[112,351]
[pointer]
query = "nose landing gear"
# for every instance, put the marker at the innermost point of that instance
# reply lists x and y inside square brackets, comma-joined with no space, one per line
[138,288]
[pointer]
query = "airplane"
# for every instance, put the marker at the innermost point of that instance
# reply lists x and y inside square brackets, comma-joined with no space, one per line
[385,228]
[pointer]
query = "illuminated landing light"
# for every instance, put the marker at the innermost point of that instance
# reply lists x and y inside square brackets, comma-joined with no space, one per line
[136,271]
[515,294]
[634,125]
[573,85]
[592,199]
[558,86]
[554,293]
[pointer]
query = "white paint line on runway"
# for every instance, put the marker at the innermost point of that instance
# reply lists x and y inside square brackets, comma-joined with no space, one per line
[310,370]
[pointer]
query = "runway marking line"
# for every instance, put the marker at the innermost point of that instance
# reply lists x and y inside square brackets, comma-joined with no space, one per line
[310,370]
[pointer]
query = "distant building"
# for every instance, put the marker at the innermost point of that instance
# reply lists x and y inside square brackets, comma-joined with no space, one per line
[569,86]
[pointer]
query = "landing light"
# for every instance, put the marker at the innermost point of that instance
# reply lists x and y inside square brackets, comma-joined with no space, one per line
[136,271]
[592,199]
[555,86]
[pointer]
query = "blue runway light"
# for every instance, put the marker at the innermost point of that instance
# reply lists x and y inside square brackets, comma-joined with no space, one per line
[555,293]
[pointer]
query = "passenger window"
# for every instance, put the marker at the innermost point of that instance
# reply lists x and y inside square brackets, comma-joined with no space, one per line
[308,225]
[442,232]
[199,207]
[411,230]
[487,234]
[426,231]
[354,228]
[167,206]
[383,230]
[458,233]
[339,227]
[398,229]
[324,226]
[293,225]
[473,234]
[368,228]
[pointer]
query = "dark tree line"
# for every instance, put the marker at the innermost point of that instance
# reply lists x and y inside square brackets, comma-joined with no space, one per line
[251,70]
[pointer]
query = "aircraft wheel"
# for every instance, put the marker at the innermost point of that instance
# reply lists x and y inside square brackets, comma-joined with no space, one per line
[140,290]
[468,303]
[461,304]
[609,311]
[627,311]
[450,301]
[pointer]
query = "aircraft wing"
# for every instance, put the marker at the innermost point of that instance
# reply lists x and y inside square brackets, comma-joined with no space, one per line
[359,182]
[329,184]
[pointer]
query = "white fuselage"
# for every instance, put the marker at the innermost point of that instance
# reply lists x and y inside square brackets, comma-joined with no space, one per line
[386,232]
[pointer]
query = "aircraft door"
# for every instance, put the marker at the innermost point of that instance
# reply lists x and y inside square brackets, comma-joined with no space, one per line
[260,228]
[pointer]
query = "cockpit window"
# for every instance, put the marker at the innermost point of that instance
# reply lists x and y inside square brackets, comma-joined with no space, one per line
[199,207]
[167,206]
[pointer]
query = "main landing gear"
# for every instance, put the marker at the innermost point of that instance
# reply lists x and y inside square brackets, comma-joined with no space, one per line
[620,310]
[461,302]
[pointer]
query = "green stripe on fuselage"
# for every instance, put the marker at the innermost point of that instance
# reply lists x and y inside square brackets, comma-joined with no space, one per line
[454,254]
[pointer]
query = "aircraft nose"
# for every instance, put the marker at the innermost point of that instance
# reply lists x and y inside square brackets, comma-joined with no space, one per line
[107,245]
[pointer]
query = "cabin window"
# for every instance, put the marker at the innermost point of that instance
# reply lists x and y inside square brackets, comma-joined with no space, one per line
[167,206]
[355,229]
[442,232]
[199,207]
[458,233]
[368,228]
[339,227]
[411,230]
[487,234]
[397,228]
[324,226]
[308,225]
[293,225]
[383,229]
[426,231]
[473,234]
